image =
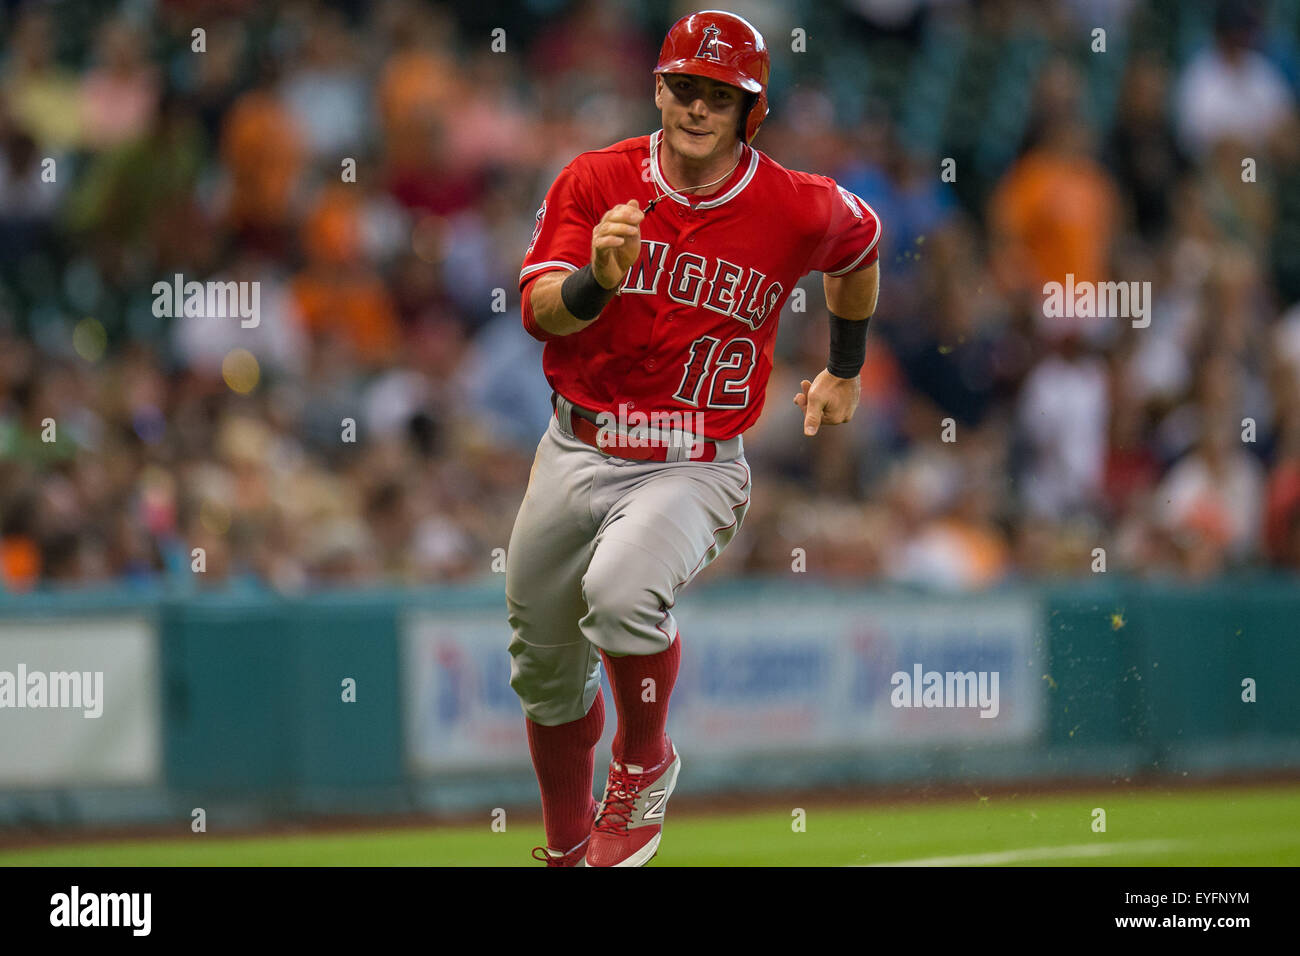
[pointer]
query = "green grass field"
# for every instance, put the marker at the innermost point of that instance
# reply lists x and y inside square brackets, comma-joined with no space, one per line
[1220,827]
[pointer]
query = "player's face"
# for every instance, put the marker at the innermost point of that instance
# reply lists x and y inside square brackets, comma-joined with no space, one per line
[699,115]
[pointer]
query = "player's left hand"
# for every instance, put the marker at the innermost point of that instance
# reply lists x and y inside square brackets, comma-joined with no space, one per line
[828,401]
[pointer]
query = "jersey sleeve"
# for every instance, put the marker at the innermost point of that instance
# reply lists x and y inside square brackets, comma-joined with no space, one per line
[561,238]
[562,233]
[852,232]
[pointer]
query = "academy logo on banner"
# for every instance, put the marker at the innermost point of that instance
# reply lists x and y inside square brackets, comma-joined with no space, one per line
[753,682]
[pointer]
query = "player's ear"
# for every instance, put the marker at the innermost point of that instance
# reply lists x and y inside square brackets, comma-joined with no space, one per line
[659,86]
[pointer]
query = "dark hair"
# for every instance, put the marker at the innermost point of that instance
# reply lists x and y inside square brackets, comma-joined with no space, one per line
[746,105]
[1236,18]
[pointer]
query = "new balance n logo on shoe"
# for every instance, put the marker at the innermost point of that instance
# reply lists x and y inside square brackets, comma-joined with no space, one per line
[656,809]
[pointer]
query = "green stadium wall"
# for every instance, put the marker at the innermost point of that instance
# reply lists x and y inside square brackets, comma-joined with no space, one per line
[1123,682]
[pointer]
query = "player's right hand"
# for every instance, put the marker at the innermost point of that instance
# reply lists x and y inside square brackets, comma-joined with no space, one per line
[616,243]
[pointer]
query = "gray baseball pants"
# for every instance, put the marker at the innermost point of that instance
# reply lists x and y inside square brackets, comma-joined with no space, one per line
[600,549]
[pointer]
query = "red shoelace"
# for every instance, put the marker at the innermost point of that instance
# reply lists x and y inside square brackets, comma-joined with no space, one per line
[616,813]
[543,854]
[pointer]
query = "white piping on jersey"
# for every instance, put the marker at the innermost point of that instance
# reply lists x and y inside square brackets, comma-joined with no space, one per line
[852,265]
[550,264]
[657,138]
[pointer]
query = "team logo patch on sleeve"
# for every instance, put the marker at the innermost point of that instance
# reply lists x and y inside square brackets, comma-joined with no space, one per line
[851,201]
[537,229]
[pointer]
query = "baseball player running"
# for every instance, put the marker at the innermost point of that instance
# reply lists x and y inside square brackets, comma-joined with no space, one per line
[656,275]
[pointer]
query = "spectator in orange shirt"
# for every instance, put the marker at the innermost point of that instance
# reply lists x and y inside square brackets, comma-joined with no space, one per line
[419,95]
[1054,212]
[263,153]
[337,293]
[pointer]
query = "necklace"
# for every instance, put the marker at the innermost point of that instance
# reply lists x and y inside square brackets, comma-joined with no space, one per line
[650,205]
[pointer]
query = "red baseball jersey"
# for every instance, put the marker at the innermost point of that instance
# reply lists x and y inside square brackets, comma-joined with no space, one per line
[693,325]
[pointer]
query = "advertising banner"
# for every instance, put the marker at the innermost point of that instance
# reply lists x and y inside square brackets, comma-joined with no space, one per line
[850,674]
[78,702]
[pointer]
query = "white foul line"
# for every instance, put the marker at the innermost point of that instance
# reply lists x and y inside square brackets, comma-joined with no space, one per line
[1037,853]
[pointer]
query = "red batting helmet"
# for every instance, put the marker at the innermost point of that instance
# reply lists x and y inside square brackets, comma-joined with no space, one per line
[723,47]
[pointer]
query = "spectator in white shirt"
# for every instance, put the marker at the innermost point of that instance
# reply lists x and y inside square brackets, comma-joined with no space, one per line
[1230,90]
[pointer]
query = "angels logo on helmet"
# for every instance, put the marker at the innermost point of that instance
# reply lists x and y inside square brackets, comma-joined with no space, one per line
[709,45]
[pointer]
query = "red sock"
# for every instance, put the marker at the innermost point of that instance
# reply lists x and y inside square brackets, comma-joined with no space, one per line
[565,758]
[640,738]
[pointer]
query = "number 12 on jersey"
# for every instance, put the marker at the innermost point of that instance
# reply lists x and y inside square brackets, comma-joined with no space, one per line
[727,372]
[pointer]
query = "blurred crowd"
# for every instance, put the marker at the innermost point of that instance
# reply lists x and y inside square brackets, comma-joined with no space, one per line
[377,168]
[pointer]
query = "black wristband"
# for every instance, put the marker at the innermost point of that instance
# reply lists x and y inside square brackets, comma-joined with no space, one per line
[583,296]
[848,346]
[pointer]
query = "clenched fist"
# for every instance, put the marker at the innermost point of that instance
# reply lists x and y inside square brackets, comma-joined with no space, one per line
[616,243]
